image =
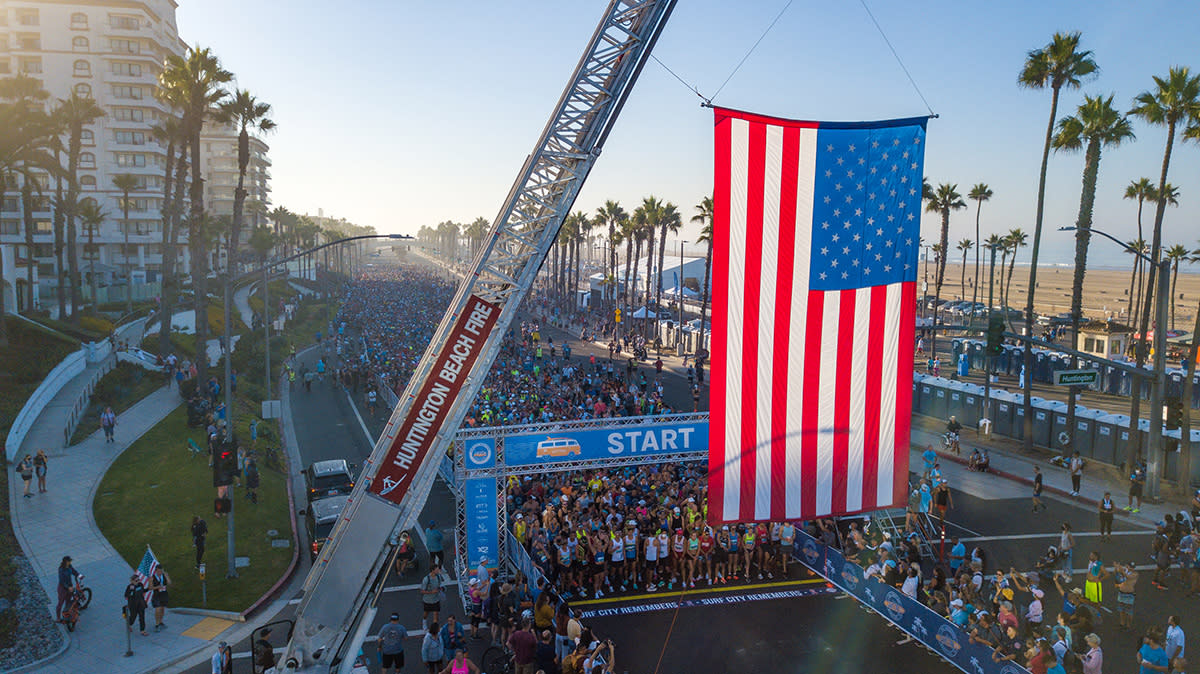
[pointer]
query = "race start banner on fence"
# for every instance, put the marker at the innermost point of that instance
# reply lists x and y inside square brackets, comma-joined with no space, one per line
[606,443]
[940,635]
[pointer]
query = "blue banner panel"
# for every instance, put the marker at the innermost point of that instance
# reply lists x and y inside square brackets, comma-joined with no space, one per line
[939,634]
[644,440]
[483,539]
[480,453]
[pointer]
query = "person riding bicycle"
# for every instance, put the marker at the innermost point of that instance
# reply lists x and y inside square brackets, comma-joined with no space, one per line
[68,580]
[952,430]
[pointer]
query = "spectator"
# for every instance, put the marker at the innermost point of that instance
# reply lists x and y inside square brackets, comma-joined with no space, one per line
[199,534]
[67,578]
[434,543]
[39,469]
[432,652]
[460,664]
[108,422]
[431,595]
[159,580]
[452,634]
[523,644]
[25,468]
[264,652]
[391,645]
[135,604]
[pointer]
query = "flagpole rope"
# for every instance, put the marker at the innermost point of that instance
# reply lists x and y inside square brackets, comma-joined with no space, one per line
[752,48]
[898,59]
[690,87]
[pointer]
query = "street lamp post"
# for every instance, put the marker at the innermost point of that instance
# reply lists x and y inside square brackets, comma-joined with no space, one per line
[1159,381]
[679,296]
[230,279]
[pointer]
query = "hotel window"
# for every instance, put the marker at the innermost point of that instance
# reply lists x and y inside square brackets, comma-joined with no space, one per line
[125,91]
[127,69]
[27,17]
[79,20]
[29,42]
[87,201]
[42,249]
[83,68]
[125,46]
[83,89]
[80,43]
[87,137]
[87,160]
[126,22]
[42,180]
[9,227]
[128,159]
[44,227]
[31,66]
[87,181]
[10,204]
[5,69]
[129,115]
[130,137]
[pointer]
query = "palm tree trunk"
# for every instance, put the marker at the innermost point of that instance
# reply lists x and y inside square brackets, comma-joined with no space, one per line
[125,254]
[978,245]
[629,267]
[941,277]
[662,254]
[1129,311]
[171,226]
[962,277]
[1185,446]
[196,238]
[649,275]
[1174,283]
[1091,169]
[59,245]
[93,282]
[239,196]
[3,297]
[1135,408]
[27,216]
[1033,268]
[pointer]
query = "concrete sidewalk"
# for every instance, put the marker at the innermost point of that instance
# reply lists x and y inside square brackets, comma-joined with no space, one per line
[1014,467]
[60,522]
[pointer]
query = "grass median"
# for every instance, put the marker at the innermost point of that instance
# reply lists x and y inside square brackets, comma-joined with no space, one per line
[149,495]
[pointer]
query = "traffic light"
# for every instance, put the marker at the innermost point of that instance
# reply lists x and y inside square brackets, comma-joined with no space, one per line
[225,464]
[995,335]
[1174,405]
[617,315]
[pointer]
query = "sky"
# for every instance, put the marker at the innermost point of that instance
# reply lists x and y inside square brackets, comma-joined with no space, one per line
[402,114]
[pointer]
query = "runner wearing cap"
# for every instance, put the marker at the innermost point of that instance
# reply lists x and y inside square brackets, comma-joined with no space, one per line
[391,644]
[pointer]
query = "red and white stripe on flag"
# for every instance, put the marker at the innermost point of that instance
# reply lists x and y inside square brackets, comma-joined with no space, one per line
[814,287]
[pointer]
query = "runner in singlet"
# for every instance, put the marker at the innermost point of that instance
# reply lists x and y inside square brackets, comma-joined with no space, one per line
[762,551]
[563,565]
[599,543]
[787,539]
[633,564]
[651,564]
[678,568]
[750,549]
[706,550]
[691,559]
[582,555]
[617,566]
[721,554]
[664,556]
[735,557]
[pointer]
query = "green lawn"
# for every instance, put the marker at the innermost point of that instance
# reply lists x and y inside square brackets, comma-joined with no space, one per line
[151,492]
[125,385]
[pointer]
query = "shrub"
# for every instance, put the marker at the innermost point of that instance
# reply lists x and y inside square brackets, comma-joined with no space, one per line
[96,324]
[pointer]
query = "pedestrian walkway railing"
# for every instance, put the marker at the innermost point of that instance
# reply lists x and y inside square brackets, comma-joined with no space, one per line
[935,632]
[70,367]
[80,406]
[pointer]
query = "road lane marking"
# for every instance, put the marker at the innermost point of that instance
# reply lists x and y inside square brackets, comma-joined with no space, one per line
[705,590]
[1086,534]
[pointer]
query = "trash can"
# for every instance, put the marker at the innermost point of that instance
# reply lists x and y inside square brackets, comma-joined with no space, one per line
[1104,437]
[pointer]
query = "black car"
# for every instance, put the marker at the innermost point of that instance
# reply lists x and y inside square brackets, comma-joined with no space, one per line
[319,519]
[328,478]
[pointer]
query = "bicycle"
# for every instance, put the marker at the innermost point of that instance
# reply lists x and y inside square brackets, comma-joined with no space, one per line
[497,660]
[79,600]
[950,443]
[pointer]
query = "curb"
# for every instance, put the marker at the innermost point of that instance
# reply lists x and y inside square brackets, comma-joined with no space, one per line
[210,613]
[291,570]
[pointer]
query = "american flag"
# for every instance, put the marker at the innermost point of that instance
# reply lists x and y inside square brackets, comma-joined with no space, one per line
[816,233]
[146,570]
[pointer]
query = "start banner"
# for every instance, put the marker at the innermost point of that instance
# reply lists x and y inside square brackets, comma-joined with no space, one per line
[418,430]
[605,443]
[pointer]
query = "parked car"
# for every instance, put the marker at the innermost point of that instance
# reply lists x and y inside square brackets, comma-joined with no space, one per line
[328,478]
[319,518]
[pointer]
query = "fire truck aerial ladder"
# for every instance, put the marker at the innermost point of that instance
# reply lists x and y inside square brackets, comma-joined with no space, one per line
[341,589]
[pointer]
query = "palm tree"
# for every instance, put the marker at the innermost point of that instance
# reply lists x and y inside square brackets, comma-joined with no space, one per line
[28,100]
[476,232]
[1095,125]
[1177,254]
[75,113]
[1059,64]
[652,210]
[1015,240]
[126,183]
[247,113]
[613,215]
[629,233]
[965,246]
[979,194]
[995,241]
[1141,190]
[170,134]
[1174,100]
[704,216]
[668,221]
[92,217]
[942,200]
[197,78]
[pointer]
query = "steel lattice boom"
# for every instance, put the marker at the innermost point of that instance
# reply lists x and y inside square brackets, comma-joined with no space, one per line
[342,586]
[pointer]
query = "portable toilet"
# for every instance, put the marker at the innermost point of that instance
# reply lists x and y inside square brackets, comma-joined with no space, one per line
[1018,421]
[954,400]
[1124,440]
[1196,391]
[957,346]
[1003,413]
[970,414]
[927,385]
[1171,466]
[1043,412]
[1174,383]
[916,392]
[1058,363]
[1041,366]
[978,357]
[1084,439]
[1059,430]
[1111,378]
[937,397]
[1104,437]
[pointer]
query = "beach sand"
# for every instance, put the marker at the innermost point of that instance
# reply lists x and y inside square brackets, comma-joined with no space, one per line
[1105,291]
